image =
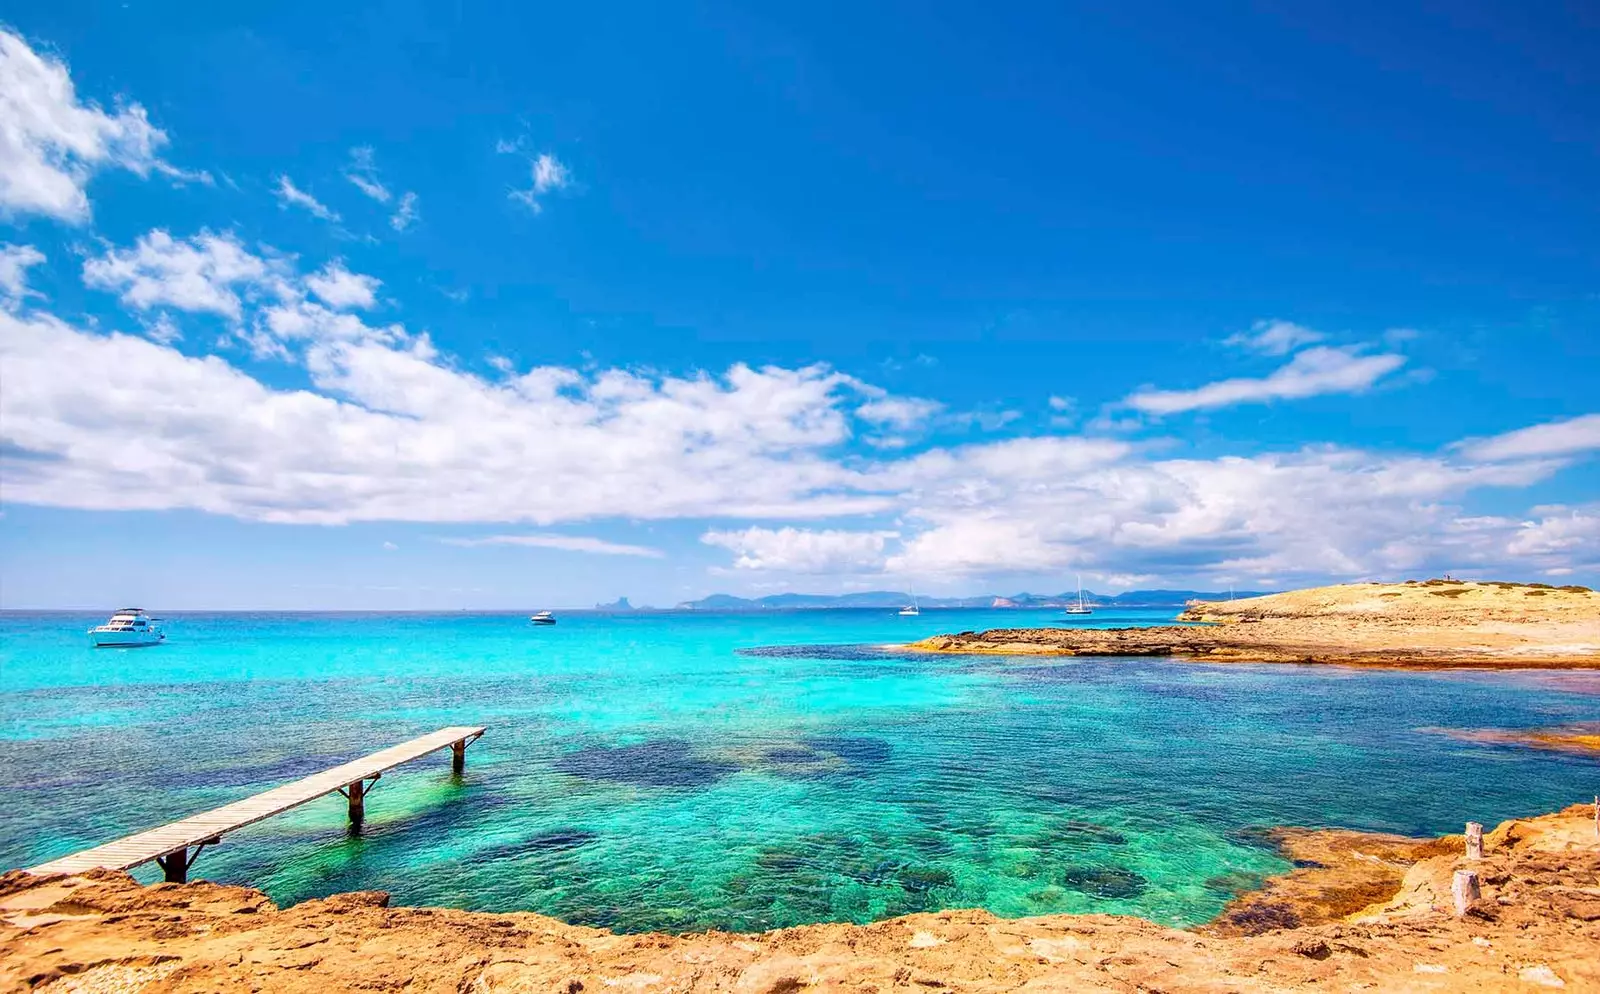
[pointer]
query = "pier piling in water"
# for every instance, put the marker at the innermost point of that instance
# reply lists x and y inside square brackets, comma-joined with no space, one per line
[357,793]
[1474,840]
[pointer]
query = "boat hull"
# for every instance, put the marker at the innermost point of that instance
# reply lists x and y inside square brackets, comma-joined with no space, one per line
[125,640]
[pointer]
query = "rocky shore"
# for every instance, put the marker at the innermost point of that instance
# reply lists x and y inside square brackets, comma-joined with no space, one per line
[1361,912]
[1418,625]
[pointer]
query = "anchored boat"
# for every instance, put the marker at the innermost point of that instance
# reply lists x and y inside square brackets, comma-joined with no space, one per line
[1080,607]
[543,618]
[128,628]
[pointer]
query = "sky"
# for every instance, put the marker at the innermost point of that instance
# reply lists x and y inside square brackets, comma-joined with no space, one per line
[506,306]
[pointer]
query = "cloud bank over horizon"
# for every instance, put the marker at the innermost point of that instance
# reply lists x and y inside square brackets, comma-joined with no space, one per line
[253,382]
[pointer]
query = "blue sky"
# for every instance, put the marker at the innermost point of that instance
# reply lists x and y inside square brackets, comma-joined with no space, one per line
[512,306]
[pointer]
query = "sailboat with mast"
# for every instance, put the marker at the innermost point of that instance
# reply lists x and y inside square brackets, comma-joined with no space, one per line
[1080,607]
[910,610]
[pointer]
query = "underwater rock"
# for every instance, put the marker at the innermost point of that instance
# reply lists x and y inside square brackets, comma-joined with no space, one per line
[857,750]
[1110,882]
[1089,832]
[657,763]
[556,841]
[920,881]
[791,754]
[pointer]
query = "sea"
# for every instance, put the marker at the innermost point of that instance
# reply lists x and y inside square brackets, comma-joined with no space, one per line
[744,771]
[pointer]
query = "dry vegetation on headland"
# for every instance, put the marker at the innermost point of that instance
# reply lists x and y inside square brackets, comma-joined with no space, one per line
[1419,625]
[1366,912]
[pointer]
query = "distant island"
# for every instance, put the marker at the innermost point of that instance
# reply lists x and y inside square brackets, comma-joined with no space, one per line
[620,604]
[897,598]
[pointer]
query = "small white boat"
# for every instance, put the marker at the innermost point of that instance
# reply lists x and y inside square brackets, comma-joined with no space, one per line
[910,610]
[543,618]
[1080,607]
[128,628]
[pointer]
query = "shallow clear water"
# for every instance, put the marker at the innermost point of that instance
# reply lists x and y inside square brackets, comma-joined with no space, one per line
[686,771]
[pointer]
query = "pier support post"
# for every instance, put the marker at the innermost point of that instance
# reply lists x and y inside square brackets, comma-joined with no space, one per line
[175,866]
[458,757]
[1474,840]
[357,793]
[1464,888]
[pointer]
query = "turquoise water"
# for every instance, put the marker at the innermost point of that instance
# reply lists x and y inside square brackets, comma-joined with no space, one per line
[688,771]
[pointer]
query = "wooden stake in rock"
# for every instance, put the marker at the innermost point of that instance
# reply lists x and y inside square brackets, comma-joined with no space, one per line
[1474,840]
[1464,888]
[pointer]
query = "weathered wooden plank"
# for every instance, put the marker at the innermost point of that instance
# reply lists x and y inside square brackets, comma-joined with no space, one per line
[145,846]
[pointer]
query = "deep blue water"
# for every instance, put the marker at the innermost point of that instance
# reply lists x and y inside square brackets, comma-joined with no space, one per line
[685,771]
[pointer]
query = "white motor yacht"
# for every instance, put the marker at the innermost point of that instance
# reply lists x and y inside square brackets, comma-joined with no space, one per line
[128,628]
[543,618]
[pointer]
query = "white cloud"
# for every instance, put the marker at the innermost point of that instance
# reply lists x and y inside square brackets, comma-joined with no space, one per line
[393,432]
[566,543]
[1038,505]
[163,329]
[362,171]
[1274,337]
[51,143]
[1553,438]
[1315,371]
[1065,412]
[388,428]
[15,261]
[198,274]
[341,289]
[800,550]
[290,195]
[549,175]
[1560,534]
[405,213]
[902,413]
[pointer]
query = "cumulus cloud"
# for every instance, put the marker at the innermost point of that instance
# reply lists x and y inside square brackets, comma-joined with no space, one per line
[290,195]
[199,274]
[1315,371]
[391,431]
[341,289]
[51,143]
[549,175]
[387,428]
[15,261]
[801,550]
[1560,534]
[1317,512]
[1553,438]
[566,543]
[1274,337]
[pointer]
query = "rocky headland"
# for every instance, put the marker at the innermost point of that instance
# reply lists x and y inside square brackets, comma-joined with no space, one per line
[1417,624]
[1360,912]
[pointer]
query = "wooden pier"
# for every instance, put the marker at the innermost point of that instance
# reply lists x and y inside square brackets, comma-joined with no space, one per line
[170,845]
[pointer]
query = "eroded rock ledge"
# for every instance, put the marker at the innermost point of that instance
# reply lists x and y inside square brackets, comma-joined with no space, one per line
[1361,911]
[1416,625]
